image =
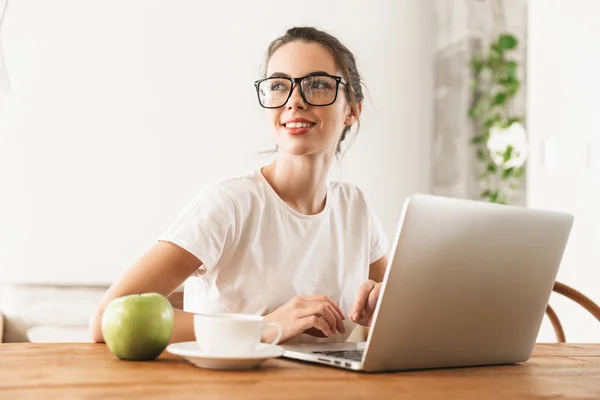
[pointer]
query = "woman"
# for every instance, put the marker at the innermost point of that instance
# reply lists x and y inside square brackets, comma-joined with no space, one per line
[280,241]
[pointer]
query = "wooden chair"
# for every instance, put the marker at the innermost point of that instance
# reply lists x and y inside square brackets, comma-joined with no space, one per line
[1,328]
[578,298]
[176,299]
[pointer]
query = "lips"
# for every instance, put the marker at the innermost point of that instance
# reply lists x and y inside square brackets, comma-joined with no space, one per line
[297,126]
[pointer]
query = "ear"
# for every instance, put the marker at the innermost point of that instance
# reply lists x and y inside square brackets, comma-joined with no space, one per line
[352,117]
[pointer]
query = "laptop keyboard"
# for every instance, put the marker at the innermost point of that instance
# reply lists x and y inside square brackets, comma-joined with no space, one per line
[355,355]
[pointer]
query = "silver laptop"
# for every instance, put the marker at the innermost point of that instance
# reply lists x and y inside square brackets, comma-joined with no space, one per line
[467,284]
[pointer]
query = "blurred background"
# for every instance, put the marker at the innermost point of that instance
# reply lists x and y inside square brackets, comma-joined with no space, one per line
[114,114]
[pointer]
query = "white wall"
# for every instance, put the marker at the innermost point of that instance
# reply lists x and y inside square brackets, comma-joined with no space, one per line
[564,168]
[120,111]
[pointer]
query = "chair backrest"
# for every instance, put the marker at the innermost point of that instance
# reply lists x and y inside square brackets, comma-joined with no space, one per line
[1,328]
[578,298]
[176,299]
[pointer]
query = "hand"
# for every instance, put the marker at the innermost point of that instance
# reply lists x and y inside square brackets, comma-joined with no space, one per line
[316,315]
[364,305]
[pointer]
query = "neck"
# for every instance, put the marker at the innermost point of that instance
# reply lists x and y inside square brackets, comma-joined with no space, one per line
[300,181]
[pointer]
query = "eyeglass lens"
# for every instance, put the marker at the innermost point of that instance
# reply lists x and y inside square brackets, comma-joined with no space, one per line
[317,90]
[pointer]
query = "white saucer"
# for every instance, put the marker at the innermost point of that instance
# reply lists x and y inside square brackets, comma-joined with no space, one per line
[192,352]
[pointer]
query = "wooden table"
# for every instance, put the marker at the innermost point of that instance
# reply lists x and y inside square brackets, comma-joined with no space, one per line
[567,371]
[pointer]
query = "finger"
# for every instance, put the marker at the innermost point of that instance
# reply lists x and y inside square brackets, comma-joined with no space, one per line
[338,323]
[338,316]
[315,332]
[372,301]
[369,310]
[361,300]
[324,310]
[337,320]
[315,322]
[325,298]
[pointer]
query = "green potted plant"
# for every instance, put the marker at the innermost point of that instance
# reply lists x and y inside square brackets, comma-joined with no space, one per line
[500,141]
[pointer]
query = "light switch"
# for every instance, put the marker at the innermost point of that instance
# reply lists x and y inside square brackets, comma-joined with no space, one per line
[549,153]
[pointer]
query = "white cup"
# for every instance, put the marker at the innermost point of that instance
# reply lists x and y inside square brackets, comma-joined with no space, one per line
[231,334]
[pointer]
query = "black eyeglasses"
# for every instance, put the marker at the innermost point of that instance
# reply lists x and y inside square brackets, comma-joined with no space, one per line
[316,90]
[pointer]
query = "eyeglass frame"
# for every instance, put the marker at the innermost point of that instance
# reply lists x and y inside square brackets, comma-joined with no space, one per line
[298,81]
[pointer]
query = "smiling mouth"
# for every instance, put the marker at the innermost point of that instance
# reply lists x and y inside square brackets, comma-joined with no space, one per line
[296,125]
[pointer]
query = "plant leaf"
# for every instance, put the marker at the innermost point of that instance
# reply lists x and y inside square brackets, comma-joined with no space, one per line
[499,99]
[496,51]
[480,155]
[473,112]
[494,58]
[508,153]
[491,121]
[494,196]
[512,87]
[512,120]
[511,70]
[518,172]
[476,64]
[477,139]
[507,41]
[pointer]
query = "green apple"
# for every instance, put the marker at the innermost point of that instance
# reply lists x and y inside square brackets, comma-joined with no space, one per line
[138,327]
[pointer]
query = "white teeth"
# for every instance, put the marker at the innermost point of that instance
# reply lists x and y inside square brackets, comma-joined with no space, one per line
[298,124]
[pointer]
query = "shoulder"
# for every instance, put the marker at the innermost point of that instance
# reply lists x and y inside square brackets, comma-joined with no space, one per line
[347,193]
[238,188]
[225,192]
[348,199]
[237,193]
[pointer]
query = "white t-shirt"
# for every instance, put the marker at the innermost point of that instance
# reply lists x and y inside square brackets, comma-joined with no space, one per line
[258,252]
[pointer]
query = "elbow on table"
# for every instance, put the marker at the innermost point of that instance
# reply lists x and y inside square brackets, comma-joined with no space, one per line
[95,327]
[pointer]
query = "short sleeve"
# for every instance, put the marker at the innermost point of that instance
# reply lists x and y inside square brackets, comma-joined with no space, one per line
[206,227]
[379,241]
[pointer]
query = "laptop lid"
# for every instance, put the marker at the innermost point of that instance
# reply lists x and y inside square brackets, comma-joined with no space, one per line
[467,284]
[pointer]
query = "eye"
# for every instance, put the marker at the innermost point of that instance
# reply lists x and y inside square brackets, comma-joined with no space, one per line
[321,84]
[278,85]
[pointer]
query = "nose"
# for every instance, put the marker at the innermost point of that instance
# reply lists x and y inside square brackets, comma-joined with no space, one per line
[295,100]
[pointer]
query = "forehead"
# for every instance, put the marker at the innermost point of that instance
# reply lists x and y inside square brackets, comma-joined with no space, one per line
[299,59]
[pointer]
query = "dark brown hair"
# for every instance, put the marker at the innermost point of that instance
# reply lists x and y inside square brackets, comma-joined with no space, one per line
[344,59]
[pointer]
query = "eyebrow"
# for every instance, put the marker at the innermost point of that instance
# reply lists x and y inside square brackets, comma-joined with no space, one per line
[284,75]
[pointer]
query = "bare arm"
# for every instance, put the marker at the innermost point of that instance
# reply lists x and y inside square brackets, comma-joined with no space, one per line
[162,269]
[377,269]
